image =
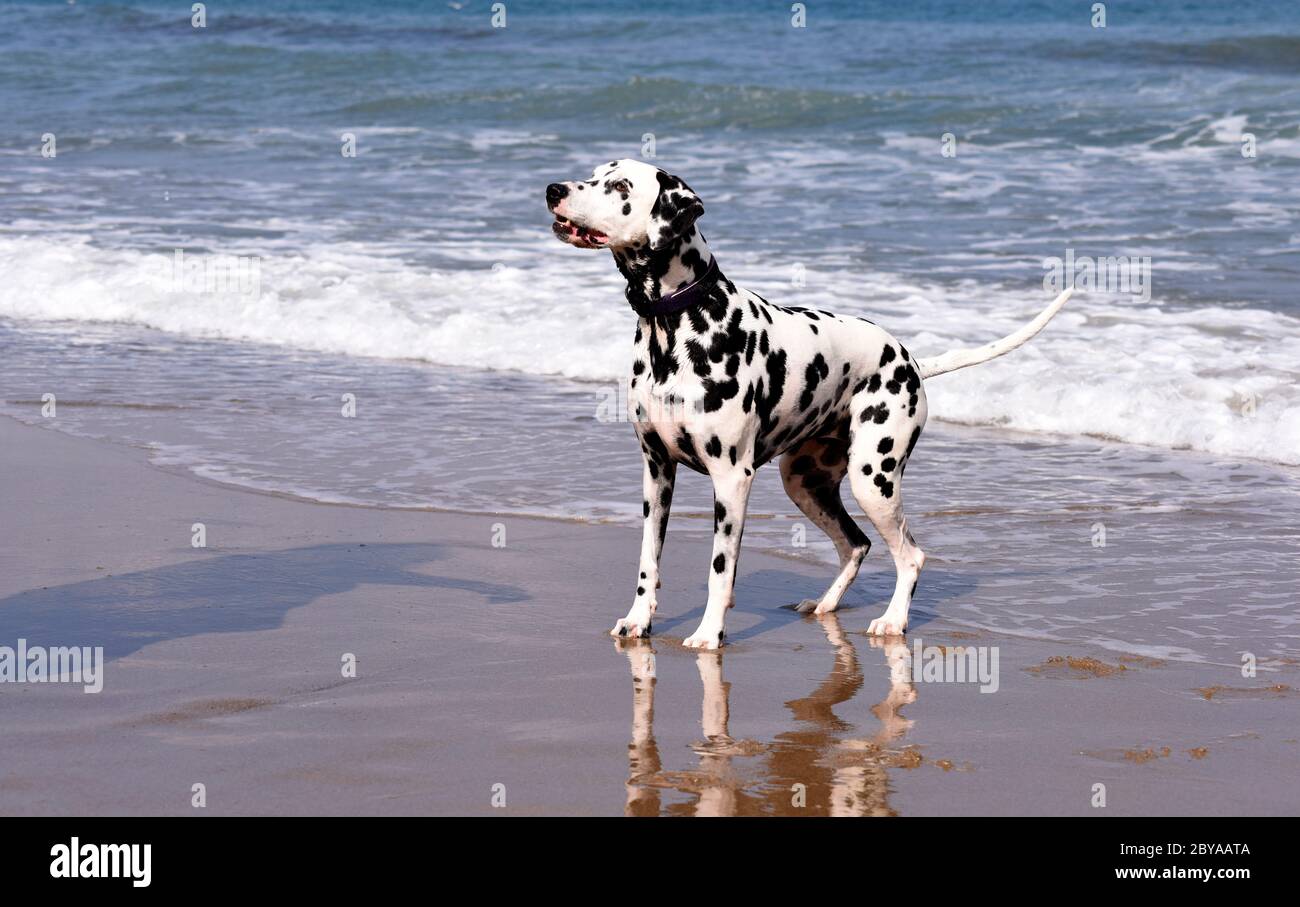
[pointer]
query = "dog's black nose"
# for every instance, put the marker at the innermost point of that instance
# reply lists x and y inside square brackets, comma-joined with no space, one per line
[555,192]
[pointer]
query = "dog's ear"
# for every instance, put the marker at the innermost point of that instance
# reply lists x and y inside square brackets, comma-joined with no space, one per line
[675,211]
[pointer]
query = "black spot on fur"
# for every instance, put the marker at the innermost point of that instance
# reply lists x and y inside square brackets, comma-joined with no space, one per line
[766,403]
[900,375]
[719,563]
[663,362]
[916,433]
[813,374]
[878,414]
[656,446]
[886,487]
[699,357]
[718,392]
[686,444]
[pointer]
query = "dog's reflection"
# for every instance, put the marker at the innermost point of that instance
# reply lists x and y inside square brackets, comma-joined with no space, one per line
[816,768]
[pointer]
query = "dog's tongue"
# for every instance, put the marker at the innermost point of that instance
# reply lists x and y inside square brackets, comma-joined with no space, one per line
[577,232]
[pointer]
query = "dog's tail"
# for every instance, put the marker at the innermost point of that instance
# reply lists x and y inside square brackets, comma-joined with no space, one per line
[955,359]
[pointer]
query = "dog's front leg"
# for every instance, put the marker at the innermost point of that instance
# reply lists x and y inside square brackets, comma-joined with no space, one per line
[657,500]
[730,500]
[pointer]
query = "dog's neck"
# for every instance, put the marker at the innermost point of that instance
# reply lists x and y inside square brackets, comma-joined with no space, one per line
[653,274]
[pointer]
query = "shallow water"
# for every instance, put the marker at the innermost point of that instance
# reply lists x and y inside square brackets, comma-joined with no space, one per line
[1198,555]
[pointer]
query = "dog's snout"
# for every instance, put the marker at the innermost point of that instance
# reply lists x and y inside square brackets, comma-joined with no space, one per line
[555,192]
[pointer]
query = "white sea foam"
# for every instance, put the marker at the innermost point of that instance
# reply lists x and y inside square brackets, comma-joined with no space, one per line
[1220,379]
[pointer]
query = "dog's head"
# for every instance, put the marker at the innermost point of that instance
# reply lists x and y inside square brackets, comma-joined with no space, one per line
[625,204]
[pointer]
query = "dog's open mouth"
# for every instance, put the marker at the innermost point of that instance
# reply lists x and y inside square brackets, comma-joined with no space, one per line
[575,235]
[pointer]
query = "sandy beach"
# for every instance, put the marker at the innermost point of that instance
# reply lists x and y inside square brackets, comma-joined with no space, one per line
[480,665]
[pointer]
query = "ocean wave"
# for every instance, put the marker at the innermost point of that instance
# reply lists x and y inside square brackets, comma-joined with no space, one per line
[662,100]
[339,298]
[1223,379]
[1261,53]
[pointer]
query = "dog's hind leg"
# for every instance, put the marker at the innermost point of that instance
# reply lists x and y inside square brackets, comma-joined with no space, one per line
[730,501]
[657,485]
[812,474]
[884,432]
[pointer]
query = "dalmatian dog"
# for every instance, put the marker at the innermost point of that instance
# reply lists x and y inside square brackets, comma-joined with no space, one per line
[724,381]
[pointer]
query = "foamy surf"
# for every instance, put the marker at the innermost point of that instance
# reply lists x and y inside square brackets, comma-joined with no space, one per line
[1215,379]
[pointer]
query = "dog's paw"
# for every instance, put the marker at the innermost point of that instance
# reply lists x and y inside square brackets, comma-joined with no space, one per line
[630,628]
[887,625]
[815,606]
[704,638]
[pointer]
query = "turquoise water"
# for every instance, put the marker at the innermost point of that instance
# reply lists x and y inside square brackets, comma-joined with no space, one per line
[818,151]
[820,143]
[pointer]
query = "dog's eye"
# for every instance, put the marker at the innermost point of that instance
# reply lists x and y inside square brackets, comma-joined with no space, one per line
[620,186]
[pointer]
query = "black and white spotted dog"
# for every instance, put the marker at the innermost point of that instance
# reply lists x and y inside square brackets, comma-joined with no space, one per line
[724,381]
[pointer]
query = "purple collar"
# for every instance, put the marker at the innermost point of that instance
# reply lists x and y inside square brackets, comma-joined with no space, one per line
[689,295]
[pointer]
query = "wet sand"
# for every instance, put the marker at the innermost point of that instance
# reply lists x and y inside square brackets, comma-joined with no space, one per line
[480,666]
